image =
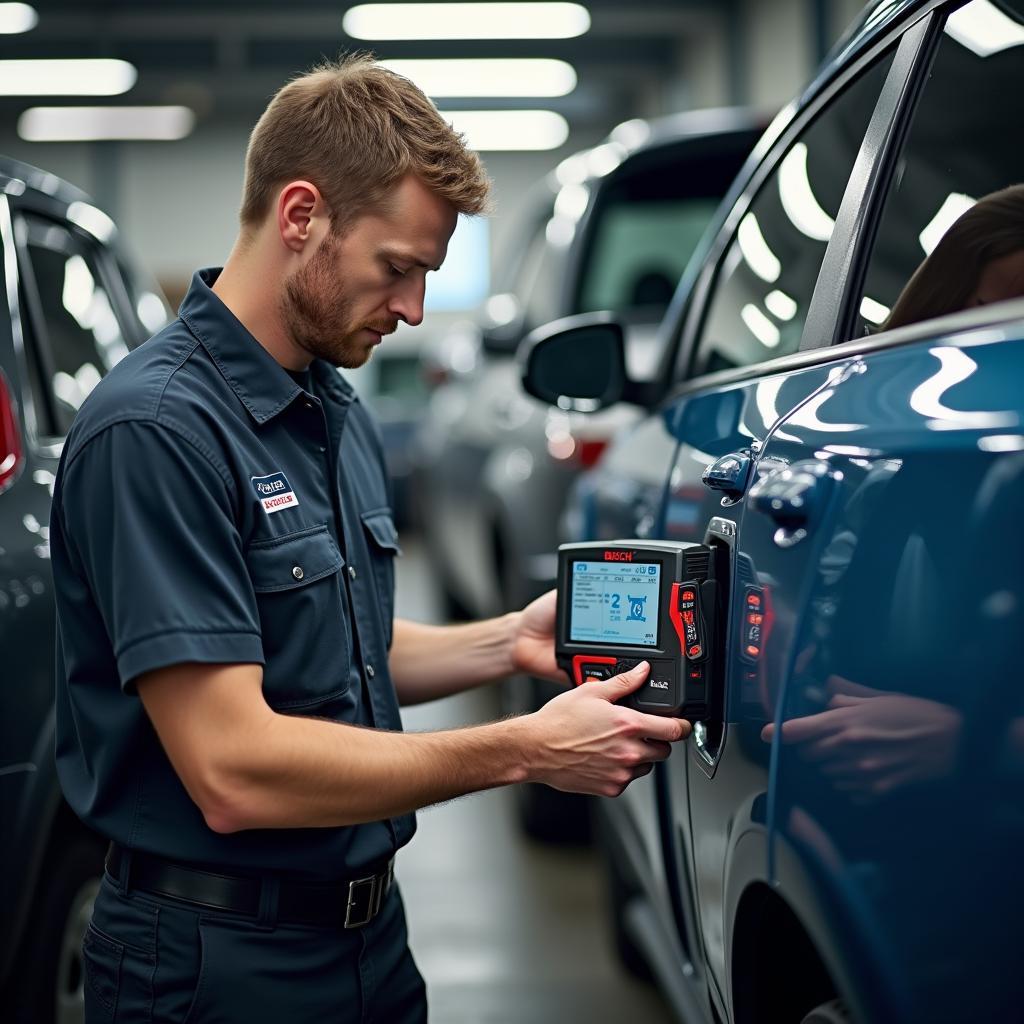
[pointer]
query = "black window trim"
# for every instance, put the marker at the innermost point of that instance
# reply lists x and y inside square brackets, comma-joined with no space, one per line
[37,441]
[698,304]
[964,325]
[110,279]
[863,246]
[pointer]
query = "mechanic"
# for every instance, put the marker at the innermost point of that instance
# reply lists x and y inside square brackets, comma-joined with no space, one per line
[228,668]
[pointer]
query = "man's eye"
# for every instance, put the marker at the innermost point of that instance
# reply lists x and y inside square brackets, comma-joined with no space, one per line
[396,271]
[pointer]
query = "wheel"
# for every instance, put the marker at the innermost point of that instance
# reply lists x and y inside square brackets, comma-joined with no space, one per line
[48,985]
[832,1012]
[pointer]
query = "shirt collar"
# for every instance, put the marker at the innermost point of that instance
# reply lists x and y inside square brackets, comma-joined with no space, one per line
[262,385]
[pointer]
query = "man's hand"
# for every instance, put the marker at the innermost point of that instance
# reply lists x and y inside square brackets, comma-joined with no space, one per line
[873,743]
[584,743]
[533,642]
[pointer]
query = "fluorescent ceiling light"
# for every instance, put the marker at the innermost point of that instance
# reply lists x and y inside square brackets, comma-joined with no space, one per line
[761,260]
[85,77]
[780,305]
[798,200]
[984,29]
[509,129]
[467,21]
[88,124]
[955,205]
[479,77]
[760,326]
[15,18]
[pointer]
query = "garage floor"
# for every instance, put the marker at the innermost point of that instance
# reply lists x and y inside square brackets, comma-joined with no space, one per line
[503,930]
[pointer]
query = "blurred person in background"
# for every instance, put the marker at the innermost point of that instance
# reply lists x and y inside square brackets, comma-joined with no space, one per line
[229,671]
[979,260]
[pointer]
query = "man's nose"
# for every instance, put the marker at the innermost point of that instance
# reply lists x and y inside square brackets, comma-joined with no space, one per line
[407,304]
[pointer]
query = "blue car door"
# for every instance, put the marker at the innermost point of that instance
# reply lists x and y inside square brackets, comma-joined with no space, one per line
[749,306]
[754,311]
[884,530]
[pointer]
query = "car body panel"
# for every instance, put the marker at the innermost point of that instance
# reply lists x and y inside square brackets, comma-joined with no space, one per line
[891,591]
[29,791]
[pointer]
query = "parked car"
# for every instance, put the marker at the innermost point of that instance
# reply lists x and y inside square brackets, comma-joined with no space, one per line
[75,304]
[840,416]
[611,228]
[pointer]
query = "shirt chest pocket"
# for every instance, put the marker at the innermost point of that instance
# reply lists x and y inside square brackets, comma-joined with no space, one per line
[382,543]
[304,620]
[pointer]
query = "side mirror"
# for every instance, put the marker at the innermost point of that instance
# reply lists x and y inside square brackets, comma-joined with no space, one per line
[577,363]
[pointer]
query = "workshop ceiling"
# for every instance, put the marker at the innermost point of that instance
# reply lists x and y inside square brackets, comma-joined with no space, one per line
[224,58]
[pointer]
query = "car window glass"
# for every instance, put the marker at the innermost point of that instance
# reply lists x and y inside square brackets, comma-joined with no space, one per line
[759,301]
[952,230]
[648,220]
[79,335]
[640,252]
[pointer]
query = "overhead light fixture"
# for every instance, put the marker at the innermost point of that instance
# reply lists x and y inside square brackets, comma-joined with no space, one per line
[74,77]
[984,29]
[91,124]
[467,21]
[509,129]
[761,260]
[954,206]
[15,18]
[798,200]
[482,77]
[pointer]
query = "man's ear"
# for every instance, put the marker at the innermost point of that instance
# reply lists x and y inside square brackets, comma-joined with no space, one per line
[300,208]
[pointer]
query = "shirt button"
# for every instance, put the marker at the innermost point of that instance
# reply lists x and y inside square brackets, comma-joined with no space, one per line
[297,572]
[323,447]
[369,670]
[352,571]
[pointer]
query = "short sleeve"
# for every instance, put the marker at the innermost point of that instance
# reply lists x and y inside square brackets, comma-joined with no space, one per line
[144,531]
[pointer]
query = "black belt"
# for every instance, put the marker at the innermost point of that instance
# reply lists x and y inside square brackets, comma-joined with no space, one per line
[349,904]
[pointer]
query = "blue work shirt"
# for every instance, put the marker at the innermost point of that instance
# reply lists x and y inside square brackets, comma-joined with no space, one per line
[208,508]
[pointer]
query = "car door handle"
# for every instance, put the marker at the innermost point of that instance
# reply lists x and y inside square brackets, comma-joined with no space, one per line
[791,496]
[730,474]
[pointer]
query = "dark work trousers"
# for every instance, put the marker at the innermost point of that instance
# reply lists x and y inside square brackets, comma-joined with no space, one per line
[151,960]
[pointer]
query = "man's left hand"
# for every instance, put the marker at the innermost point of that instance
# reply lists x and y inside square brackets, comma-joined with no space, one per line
[533,649]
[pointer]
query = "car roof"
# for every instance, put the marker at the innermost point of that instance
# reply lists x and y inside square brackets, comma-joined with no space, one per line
[43,184]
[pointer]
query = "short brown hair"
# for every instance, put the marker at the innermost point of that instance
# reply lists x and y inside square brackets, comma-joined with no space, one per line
[353,129]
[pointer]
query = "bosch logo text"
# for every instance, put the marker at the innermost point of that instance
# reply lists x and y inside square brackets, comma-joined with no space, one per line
[618,556]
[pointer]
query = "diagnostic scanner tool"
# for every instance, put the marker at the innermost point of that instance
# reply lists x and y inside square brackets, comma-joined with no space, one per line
[629,601]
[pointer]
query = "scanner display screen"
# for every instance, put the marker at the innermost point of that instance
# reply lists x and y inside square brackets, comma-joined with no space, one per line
[615,603]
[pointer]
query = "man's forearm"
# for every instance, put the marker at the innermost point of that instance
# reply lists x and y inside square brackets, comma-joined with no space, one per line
[428,662]
[307,772]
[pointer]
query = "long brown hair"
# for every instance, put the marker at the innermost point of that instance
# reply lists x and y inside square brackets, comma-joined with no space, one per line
[992,228]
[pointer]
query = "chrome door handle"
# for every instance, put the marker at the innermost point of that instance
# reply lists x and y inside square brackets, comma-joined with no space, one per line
[730,474]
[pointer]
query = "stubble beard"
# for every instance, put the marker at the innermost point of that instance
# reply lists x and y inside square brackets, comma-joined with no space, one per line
[317,312]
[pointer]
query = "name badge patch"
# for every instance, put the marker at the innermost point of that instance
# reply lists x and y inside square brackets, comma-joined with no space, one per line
[274,492]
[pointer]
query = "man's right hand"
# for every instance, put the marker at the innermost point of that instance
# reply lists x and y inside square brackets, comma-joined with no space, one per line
[585,743]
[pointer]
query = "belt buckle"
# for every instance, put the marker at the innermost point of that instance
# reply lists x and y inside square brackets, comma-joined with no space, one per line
[372,902]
